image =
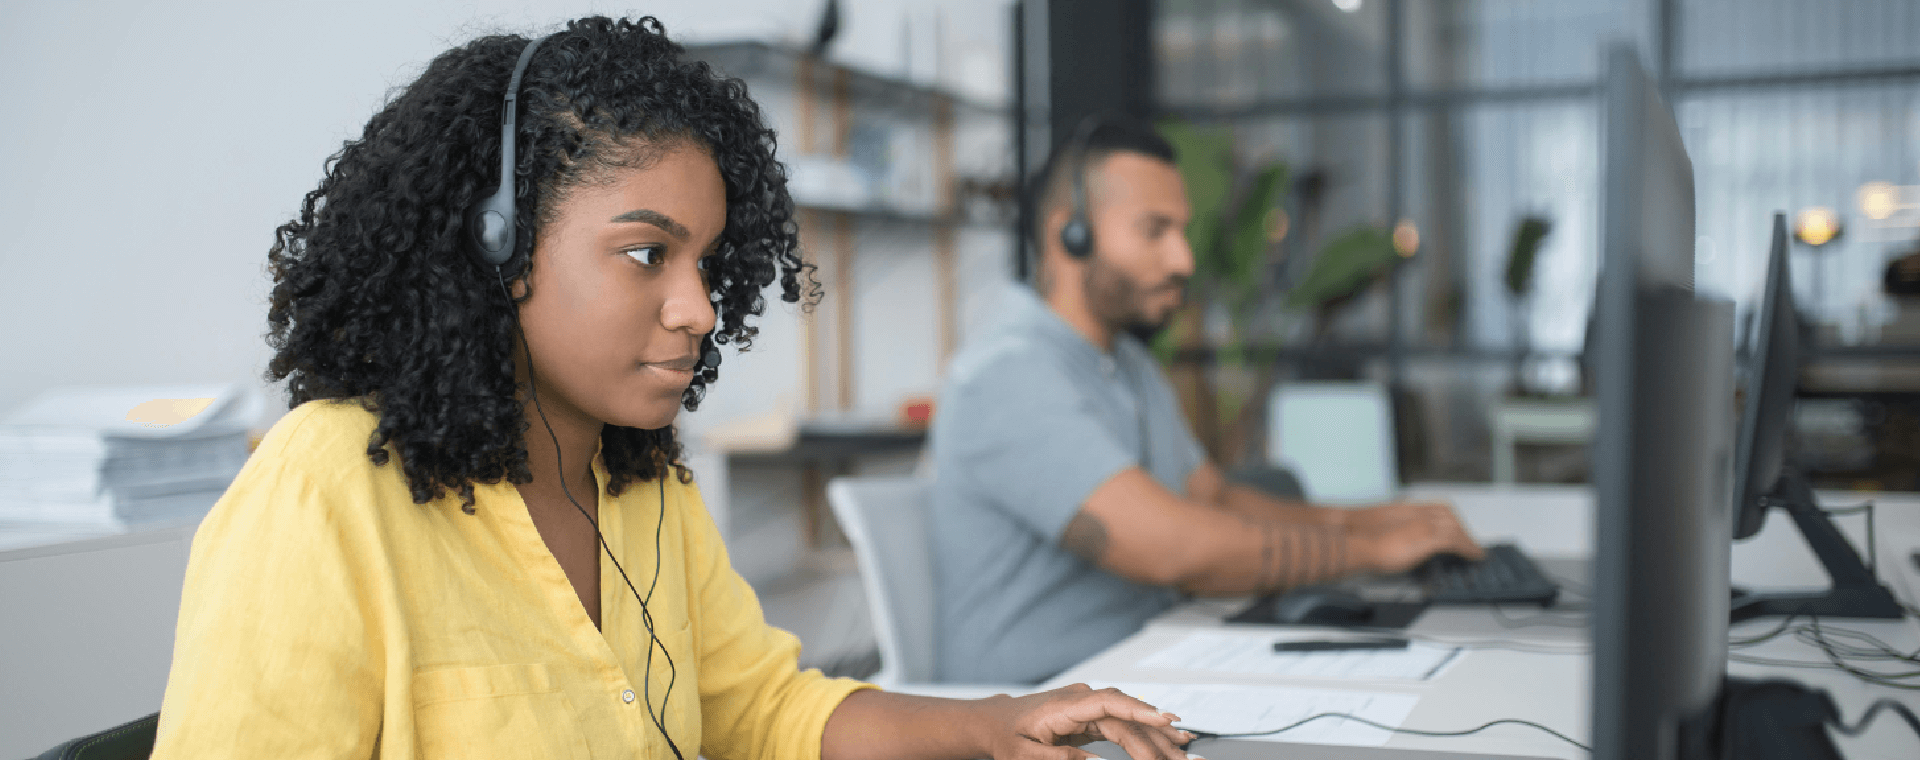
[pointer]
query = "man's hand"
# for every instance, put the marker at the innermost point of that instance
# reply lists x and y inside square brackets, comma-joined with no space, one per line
[1385,516]
[1392,538]
[1051,725]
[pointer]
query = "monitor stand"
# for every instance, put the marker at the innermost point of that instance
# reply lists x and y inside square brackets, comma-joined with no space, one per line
[1856,591]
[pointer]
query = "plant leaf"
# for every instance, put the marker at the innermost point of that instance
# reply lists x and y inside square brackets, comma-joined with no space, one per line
[1345,265]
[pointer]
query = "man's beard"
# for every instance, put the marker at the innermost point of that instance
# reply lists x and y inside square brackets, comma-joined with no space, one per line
[1120,303]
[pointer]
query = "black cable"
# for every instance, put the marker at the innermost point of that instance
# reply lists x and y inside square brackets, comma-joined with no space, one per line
[673,673]
[1864,647]
[1873,711]
[1197,735]
[1765,637]
[1889,680]
[646,615]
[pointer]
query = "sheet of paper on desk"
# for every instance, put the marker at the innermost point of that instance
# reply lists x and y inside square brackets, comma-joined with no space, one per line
[1251,652]
[1224,709]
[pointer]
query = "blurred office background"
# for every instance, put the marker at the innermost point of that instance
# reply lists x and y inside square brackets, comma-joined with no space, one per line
[1422,174]
[1459,122]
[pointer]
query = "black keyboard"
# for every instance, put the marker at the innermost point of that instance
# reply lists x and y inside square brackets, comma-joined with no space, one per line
[1506,576]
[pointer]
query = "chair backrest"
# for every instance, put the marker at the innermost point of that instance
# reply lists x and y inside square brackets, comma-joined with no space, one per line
[1337,438]
[132,740]
[886,521]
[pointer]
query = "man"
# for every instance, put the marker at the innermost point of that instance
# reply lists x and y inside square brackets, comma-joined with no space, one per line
[1072,502]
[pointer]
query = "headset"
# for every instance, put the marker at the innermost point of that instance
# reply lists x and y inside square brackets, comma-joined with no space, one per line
[1077,235]
[490,224]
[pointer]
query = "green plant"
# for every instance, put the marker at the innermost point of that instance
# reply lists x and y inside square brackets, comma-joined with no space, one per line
[1527,236]
[1346,266]
[1234,214]
[1230,231]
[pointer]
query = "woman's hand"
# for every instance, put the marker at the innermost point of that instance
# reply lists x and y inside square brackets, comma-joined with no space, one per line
[1051,725]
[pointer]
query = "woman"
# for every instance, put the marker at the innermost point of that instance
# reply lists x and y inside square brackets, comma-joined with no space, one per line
[472,537]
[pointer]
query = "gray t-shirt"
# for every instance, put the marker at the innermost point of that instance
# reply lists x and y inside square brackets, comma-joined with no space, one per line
[1034,418]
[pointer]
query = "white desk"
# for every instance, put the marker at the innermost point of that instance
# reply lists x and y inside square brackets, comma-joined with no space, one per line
[1554,524]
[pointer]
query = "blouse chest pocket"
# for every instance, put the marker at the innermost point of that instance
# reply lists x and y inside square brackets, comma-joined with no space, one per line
[494,711]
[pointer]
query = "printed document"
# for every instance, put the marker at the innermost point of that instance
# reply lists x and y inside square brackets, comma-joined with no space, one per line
[1251,652]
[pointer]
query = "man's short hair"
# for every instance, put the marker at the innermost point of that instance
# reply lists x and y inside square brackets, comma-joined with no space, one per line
[1106,135]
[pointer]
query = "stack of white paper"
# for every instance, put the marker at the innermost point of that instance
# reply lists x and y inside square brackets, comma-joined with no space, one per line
[122,456]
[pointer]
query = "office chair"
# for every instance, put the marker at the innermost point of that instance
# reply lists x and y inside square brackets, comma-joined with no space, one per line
[1337,438]
[886,521]
[132,740]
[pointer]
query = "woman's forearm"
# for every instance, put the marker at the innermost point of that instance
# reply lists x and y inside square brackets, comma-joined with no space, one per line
[879,725]
[875,725]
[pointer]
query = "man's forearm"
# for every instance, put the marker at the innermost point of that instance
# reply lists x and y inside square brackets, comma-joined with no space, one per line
[1254,504]
[1268,555]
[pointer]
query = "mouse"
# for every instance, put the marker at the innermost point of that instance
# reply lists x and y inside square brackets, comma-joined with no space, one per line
[1321,606]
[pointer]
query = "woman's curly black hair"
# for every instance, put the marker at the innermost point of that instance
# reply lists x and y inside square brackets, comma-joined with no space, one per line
[377,295]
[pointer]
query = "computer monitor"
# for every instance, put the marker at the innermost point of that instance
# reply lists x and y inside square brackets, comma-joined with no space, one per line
[1662,452]
[1775,364]
[1665,514]
[1765,476]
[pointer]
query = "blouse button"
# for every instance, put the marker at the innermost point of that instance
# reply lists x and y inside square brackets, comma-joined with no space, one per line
[627,696]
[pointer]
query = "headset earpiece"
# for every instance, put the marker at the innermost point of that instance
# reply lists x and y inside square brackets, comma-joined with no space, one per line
[1077,235]
[490,222]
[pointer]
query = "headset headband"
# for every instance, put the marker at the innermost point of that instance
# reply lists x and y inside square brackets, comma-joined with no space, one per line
[491,221]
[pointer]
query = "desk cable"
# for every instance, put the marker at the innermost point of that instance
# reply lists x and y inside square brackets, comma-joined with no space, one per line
[1200,735]
[1857,728]
[1873,711]
[1844,650]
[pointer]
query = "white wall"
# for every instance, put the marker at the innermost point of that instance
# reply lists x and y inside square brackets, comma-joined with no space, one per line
[150,148]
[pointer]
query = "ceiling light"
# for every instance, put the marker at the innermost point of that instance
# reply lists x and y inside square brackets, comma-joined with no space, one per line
[1878,200]
[1406,238]
[1816,226]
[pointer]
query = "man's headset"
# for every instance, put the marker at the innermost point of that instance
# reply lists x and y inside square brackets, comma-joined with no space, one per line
[491,224]
[1077,235]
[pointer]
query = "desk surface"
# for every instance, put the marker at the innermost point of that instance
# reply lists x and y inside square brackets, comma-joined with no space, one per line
[1534,665]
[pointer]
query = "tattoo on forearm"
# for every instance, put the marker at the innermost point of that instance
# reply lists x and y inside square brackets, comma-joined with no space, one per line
[1269,574]
[1086,537]
[1294,555]
[1310,555]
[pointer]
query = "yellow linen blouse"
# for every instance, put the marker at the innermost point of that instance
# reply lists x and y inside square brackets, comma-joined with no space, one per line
[326,615]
